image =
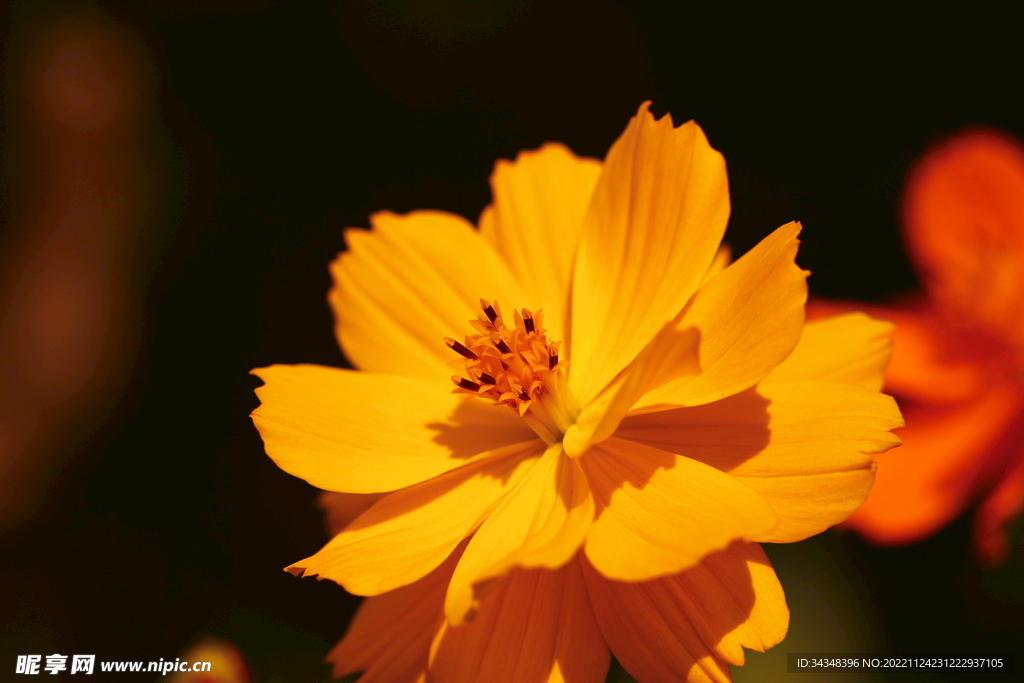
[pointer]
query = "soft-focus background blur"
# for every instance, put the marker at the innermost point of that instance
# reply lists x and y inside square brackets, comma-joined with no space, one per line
[176,176]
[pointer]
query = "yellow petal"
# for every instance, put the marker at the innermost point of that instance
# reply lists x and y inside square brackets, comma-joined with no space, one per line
[390,635]
[670,355]
[539,203]
[852,348]
[360,432]
[690,626]
[723,257]
[537,626]
[803,446]
[651,232]
[410,532]
[411,281]
[542,523]
[660,513]
[925,366]
[749,317]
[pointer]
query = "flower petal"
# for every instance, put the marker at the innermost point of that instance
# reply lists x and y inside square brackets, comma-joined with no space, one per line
[411,281]
[964,218]
[651,232]
[803,446]
[688,627]
[683,355]
[930,363]
[541,523]
[390,635]
[660,513]
[852,348]
[933,476]
[539,203]
[408,533]
[536,626]
[749,317]
[359,432]
[670,355]
[723,257]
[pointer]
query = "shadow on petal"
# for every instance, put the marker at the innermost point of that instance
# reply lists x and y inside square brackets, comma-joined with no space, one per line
[693,625]
[476,426]
[535,626]
[725,433]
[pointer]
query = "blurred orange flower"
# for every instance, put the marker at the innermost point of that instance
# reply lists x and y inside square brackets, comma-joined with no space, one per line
[958,359]
[603,494]
[81,144]
[227,665]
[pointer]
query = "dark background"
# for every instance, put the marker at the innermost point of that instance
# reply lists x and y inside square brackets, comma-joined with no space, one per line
[285,122]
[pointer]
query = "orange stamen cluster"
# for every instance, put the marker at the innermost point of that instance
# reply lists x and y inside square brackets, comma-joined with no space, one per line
[511,366]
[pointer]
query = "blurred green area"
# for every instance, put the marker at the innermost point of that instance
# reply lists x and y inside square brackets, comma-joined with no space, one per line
[275,651]
[831,610]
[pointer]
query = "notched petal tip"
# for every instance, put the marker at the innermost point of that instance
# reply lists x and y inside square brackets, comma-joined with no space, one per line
[644,112]
[262,371]
[644,116]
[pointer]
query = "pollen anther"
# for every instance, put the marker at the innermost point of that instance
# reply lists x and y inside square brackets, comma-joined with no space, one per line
[466,384]
[459,348]
[528,320]
[518,367]
[489,311]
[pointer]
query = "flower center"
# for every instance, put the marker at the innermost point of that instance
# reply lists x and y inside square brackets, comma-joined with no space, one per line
[517,367]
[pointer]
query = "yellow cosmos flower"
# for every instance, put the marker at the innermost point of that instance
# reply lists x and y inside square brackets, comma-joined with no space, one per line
[631,414]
